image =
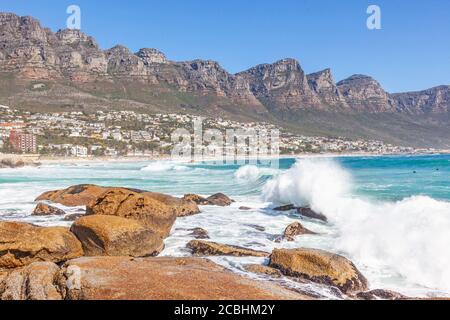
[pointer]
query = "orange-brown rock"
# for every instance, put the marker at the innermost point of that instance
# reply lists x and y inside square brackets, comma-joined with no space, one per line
[115,236]
[219,199]
[264,270]
[319,266]
[207,248]
[43,209]
[22,244]
[164,278]
[79,195]
[37,281]
[181,207]
[135,205]
[295,229]
[196,198]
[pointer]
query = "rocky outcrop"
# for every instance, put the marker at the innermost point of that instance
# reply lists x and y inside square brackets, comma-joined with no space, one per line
[380,294]
[116,236]
[43,209]
[181,207]
[151,56]
[219,199]
[309,213]
[363,93]
[206,248]
[22,244]
[199,233]
[263,270]
[102,278]
[319,266]
[282,86]
[37,281]
[80,195]
[196,198]
[323,84]
[295,229]
[136,205]
[434,100]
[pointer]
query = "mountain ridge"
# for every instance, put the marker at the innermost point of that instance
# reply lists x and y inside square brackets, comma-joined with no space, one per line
[74,70]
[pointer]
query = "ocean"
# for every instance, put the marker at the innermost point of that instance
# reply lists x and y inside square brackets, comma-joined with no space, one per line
[389,215]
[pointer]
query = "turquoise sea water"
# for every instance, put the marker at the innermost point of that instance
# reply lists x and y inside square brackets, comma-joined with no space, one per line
[390,215]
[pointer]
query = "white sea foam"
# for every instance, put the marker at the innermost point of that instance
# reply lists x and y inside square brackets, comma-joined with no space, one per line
[164,166]
[409,237]
[252,173]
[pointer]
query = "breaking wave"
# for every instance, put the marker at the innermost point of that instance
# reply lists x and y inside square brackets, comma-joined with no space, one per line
[409,237]
[163,166]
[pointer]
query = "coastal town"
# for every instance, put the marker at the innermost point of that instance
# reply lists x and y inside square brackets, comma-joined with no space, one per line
[131,134]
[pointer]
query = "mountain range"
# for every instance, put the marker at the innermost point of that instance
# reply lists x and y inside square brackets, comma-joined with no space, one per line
[67,70]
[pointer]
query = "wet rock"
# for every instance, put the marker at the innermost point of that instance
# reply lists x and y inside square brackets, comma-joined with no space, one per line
[245,208]
[264,270]
[116,236]
[295,229]
[319,266]
[256,227]
[37,281]
[43,209]
[219,199]
[196,198]
[22,244]
[79,195]
[307,212]
[165,278]
[73,217]
[199,233]
[288,207]
[380,294]
[206,248]
[135,205]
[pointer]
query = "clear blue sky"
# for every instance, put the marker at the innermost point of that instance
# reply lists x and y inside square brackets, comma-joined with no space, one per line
[411,52]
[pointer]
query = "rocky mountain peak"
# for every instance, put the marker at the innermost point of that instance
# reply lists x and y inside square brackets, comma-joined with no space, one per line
[363,93]
[75,37]
[323,84]
[150,56]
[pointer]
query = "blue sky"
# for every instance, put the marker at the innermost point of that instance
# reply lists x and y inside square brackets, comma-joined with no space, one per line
[410,52]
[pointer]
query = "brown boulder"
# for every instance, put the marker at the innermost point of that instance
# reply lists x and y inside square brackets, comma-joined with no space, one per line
[319,266]
[181,207]
[196,198]
[37,281]
[295,229]
[264,270]
[307,212]
[22,244]
[206,248]
[219,199]
[135,205]
[79,195]
[116,236]
[120,278]
[43,209]
[199,233]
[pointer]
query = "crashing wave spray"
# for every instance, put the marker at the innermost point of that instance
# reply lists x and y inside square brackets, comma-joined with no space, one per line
[409,237]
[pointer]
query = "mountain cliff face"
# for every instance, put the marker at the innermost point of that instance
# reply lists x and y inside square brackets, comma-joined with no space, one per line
[70,70]
[30,52]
